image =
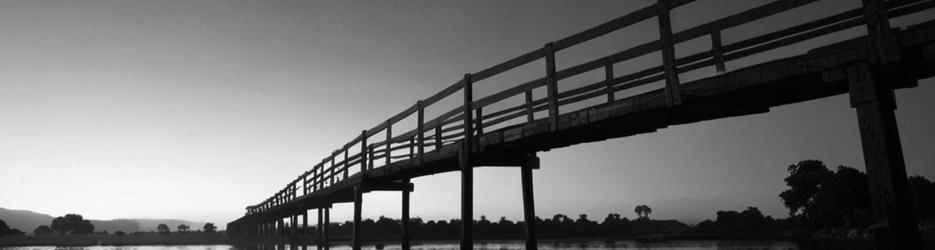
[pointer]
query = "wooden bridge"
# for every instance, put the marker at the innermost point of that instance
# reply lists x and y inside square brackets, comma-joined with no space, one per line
[477,134]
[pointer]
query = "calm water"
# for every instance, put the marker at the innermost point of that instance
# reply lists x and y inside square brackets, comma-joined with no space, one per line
[583,245]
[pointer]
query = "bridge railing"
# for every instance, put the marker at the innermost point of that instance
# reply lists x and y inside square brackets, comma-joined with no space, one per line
[449,127]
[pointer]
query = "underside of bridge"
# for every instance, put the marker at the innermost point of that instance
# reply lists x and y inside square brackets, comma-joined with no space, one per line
[868,68]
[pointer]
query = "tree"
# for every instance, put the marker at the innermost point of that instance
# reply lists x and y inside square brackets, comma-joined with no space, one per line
[163,228]
[804,178]
[43,230]
[183,228]
[643,211]
[210,228]
[4,229]
[72,224]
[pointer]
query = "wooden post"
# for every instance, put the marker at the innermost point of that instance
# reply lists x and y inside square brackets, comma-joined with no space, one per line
[673,95]
[356,227]
[305,227]
[438,137]
[344,165]
[325,229]
[896,226]
[389,136]
[716,52]
[882,47]
[363,151]
[320,230]
[405,218]
[467,174]
[295,226]
[420,130]
[370,157]
[479,121]
[552,85]
[529,207]
[530,116]
[609,82]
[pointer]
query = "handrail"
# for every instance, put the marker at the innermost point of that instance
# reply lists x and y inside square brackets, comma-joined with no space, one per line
[452,125]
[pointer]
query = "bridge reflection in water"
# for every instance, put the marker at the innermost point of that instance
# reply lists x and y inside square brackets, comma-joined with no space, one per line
[477,133]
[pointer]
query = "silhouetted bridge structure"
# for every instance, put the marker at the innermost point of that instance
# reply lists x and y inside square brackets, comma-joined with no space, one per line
[474,134]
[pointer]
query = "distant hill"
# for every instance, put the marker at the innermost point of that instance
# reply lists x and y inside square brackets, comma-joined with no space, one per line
[26,221]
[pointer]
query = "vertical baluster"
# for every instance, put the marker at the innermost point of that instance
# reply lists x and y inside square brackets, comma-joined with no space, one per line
[716,51]
[609,82]
[363,151]
[530,115]
[389,137]
[552,85]
[420,130]
[673,95]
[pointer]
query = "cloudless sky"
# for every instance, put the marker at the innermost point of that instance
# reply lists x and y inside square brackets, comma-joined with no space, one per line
[197,109]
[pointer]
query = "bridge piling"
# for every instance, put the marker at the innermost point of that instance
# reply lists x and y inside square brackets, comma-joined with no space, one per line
[467,170]
[529,210]
[320,230]
[358,205]
[326,242]
[883,158]
[404,221]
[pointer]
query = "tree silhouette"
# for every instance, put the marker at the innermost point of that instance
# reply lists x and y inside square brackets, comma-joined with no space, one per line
[643,211]
[182,228]
[72,224]
[43,230]
[163,228]
[4,229]
[209,228]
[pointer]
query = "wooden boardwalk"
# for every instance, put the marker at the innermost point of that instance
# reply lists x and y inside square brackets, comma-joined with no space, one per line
[474,134]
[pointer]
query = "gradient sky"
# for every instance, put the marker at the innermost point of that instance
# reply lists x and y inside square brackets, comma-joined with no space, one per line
[196,109]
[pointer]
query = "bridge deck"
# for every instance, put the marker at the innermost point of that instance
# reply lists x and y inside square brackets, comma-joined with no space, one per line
[754,89]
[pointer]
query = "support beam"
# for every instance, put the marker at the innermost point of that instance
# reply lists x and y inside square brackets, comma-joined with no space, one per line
[405,217]
[326,242]
[529,208]
[467,170]
[896,227]
[305,227]
[320,230]
[357,218]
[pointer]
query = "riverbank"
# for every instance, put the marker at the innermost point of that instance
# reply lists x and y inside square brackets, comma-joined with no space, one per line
[117,240]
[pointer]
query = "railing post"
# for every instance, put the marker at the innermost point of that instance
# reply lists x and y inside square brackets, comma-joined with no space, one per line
[552,85]
[467,174]
[438,137]
[530,116]
[363,151]
[345,165]
[420,130]
[370,157]
[716,51]
[478,121]
[609,82]
[882,47]
[389,136]
[673,95]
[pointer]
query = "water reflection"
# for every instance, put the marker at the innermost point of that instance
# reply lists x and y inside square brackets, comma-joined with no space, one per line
[491,245]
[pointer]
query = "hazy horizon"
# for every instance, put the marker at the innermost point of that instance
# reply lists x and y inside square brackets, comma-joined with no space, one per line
[194,110]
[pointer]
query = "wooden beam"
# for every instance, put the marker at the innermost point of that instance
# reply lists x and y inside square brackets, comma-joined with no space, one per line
[467,174]
[529,207]
[896,226]
[673,95]
[404,244]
